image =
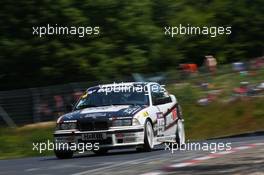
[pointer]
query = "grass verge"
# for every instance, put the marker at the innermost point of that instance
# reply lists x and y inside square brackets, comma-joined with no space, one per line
[217,119]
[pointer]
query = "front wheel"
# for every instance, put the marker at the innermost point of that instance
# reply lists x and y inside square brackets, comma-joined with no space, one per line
[148,137]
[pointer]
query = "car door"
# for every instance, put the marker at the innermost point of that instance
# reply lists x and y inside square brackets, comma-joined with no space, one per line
[167,111]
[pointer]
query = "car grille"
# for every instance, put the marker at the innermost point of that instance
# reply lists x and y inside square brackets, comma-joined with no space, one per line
[93,126]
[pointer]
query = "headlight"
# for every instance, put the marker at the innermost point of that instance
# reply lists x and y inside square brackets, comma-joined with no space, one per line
[125,122]
[66,126]
[135,122]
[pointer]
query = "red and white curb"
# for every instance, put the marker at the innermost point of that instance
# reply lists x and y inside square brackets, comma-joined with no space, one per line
[201,159]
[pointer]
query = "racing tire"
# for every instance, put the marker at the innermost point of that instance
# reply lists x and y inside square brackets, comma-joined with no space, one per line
[63,154]
[180,133]
[148,137]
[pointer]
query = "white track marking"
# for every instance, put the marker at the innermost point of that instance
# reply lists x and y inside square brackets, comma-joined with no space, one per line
[153,173]
[203,158]
[242,147]
[117,165]
[223,153]
[178,165]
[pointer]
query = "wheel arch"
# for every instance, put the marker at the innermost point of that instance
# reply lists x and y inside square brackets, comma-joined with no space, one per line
[149,119]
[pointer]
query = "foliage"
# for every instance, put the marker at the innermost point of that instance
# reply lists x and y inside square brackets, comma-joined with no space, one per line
[131,38]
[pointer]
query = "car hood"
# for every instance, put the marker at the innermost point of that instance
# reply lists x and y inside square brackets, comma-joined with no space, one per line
[104,112]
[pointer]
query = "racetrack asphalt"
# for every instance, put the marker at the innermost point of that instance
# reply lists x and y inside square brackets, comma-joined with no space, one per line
[246,157]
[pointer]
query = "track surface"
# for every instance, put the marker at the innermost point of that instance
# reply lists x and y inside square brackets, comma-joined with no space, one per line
[245,160]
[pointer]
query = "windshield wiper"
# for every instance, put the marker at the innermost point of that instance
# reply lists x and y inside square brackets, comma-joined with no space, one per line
[86,106]
[111,104]
[134,104]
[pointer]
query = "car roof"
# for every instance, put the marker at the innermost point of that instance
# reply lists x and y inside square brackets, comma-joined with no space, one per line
[120,84]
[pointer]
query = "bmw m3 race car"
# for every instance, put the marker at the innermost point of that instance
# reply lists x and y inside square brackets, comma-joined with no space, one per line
[135,114]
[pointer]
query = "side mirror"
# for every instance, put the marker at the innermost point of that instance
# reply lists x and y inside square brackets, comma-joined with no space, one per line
[173,98]
[69,107]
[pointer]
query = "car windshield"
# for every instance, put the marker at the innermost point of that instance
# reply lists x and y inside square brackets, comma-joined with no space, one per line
[96,98]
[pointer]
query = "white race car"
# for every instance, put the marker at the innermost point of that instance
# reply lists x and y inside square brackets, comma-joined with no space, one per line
[135,114]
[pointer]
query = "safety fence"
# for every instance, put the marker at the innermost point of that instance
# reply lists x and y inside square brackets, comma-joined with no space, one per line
[38,104]
[47,103]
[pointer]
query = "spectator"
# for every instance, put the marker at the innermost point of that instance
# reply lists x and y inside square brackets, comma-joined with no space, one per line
[211,63]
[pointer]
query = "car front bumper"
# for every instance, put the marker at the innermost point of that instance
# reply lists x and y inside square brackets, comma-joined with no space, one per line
[114,137]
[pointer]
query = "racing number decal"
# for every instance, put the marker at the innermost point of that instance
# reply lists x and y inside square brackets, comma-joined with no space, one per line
[160,123]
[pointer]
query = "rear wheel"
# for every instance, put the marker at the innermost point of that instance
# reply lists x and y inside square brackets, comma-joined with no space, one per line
[180,133]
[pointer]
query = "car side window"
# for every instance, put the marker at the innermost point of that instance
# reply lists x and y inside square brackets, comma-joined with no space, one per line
[158,93]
